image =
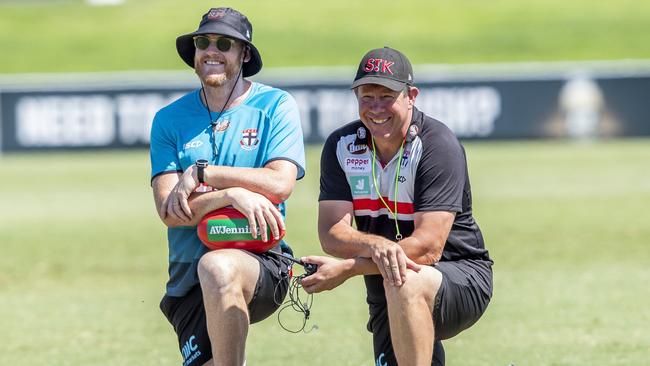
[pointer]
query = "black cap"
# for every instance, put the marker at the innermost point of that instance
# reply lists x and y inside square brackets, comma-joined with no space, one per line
[384,66]
[227,22]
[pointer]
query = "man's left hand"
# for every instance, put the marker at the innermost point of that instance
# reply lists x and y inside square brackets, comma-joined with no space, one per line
[392,262]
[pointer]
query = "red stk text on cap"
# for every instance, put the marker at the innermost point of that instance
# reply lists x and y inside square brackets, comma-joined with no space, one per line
[378,65]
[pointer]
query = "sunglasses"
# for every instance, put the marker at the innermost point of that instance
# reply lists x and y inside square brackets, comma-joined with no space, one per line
[223,44]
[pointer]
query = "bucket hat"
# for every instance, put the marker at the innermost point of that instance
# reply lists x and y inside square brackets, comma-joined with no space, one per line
[227,22]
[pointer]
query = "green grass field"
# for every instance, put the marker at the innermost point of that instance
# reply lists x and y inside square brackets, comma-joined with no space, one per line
[83,262]
[64,35]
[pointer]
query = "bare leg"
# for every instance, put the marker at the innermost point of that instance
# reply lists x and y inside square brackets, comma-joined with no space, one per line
[409,315]
[228,278]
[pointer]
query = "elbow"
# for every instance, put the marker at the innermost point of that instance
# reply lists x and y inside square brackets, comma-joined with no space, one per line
[171,223]
[335,251]
[332,247]
[327,244]
[165,219]
[283,188]
[428,259]
[280,195]
[424,250]
[174,222]
[425,257]
[431,256]
[328,249]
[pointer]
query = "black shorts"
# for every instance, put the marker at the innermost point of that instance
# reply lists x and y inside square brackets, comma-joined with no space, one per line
[463,296]
[187,313]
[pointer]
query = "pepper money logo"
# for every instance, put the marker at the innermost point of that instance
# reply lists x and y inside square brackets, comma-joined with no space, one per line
[357,165]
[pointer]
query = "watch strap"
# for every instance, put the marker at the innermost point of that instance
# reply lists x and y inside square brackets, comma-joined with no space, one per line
[200,173]
[200,170]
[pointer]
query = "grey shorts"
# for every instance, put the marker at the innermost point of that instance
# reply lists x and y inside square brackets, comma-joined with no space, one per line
[463,296]
[187,314]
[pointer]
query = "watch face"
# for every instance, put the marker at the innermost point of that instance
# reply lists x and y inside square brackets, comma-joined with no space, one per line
[202,163]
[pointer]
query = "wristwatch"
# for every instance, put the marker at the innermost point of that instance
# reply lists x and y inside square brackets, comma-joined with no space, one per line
[201,164]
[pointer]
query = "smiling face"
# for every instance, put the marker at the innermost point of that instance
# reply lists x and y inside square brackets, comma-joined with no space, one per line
[385,112]
[215,67]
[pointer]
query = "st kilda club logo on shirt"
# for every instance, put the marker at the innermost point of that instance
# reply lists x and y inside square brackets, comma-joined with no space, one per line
[249,139]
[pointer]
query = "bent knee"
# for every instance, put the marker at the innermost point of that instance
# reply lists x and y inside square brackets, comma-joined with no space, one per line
[217,269]
[423,285]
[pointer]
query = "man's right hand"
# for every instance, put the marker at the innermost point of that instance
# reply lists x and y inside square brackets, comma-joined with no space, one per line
[177,206]
[258,210]
[391,261]
[331,273]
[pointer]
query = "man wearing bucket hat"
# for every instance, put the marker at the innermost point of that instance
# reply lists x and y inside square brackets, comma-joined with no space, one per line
[229,142]
[402,176]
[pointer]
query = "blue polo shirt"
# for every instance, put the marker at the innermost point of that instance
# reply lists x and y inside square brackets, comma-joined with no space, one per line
[265,127]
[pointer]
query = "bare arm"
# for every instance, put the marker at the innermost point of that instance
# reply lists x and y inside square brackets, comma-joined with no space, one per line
[340,239]
[425,246]
[391,259]
[336,234]
[200,203]
[426,243]
[333,272]
[258,210]
[275,180]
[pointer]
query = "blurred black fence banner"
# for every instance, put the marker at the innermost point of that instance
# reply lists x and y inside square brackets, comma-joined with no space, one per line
[482,103]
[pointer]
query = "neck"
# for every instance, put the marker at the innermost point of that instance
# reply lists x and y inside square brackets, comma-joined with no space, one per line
[387,149]
[219,97]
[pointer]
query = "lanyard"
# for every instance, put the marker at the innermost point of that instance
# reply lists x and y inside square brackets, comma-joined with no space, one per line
[398,235]
[213,123]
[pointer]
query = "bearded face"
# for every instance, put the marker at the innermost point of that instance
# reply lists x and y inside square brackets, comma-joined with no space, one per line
[215,68]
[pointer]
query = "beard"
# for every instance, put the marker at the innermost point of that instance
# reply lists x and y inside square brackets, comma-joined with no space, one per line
[231,73]
[215,80]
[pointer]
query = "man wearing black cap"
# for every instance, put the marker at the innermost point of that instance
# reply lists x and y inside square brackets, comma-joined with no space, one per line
[403,177]
[230,142]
